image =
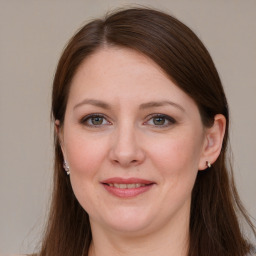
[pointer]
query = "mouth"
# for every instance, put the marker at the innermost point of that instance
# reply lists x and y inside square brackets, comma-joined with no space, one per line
[127,188]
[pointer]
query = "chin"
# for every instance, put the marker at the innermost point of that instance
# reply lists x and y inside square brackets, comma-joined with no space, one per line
[130,227]
[126,221]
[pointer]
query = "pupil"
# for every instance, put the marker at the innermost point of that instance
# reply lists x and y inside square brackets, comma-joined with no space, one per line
[159,120]
[97,120]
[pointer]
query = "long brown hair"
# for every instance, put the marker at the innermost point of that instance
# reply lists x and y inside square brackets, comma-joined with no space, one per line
[215,206]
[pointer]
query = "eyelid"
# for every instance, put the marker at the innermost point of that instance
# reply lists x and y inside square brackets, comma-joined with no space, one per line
[170,119]
[87,117]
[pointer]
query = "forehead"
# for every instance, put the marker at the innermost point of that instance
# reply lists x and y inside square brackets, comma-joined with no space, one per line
[113,60]
[121,74]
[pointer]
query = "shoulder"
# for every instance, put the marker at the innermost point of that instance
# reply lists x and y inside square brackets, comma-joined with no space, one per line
[15,254]
[252,252]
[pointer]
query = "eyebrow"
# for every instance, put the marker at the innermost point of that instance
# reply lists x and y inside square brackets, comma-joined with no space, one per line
[97,103]
[151,104]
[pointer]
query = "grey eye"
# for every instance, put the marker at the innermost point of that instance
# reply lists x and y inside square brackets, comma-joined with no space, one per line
[94,120]
[97,120]
[159,120]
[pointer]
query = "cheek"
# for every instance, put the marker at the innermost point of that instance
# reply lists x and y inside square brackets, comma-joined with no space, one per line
[177,153]
[84,153]
[177,163]
[177,159]
[85,156]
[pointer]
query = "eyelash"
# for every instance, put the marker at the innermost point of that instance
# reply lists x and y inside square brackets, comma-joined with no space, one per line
[167,118]
[86,119]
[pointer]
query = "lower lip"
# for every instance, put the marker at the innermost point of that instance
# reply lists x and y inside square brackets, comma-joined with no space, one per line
[127,192]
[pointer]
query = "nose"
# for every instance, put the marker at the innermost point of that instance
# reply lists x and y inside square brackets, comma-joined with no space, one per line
[126,149]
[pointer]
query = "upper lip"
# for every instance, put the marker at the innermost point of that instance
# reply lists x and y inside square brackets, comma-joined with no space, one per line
[119,180]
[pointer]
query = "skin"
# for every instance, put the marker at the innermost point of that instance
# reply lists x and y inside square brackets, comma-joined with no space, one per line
[129,142]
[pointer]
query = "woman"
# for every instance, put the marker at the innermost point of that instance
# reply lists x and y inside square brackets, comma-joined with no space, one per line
[140,151]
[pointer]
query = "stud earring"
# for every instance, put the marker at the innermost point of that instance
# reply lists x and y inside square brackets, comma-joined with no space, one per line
[208,164]
[66,167]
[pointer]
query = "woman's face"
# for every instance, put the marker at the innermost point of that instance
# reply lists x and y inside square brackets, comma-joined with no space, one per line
[134,142]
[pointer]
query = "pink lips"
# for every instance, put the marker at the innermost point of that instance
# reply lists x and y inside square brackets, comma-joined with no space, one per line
[127,188]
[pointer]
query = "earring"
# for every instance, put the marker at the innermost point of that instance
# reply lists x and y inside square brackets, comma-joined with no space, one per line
[66,167]
[208,164]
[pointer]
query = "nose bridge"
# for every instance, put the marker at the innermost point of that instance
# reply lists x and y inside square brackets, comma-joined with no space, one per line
[125,147]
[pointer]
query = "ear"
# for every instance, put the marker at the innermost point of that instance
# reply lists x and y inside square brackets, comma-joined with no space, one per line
[213,142]
[59,133]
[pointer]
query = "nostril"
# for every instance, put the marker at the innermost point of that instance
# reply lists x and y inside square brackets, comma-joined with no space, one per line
[126,156]
[125,162]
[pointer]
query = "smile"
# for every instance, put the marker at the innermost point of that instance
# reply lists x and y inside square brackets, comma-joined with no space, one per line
[127,188]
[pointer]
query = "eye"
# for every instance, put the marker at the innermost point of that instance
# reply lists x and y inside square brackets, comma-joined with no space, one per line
[95,120]
[160,120]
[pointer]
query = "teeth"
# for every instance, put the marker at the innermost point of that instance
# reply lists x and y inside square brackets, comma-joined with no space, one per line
[121,185]
[131,185]
[125,186]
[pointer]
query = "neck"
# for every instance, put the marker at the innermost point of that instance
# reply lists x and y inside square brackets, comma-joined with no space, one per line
[172,240]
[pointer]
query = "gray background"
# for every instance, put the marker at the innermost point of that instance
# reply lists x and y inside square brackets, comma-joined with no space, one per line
[32,36]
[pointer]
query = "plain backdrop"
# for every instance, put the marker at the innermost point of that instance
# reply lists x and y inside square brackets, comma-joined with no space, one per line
[32,36]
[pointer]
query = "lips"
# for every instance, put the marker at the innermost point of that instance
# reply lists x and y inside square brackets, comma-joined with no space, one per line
[127,187]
